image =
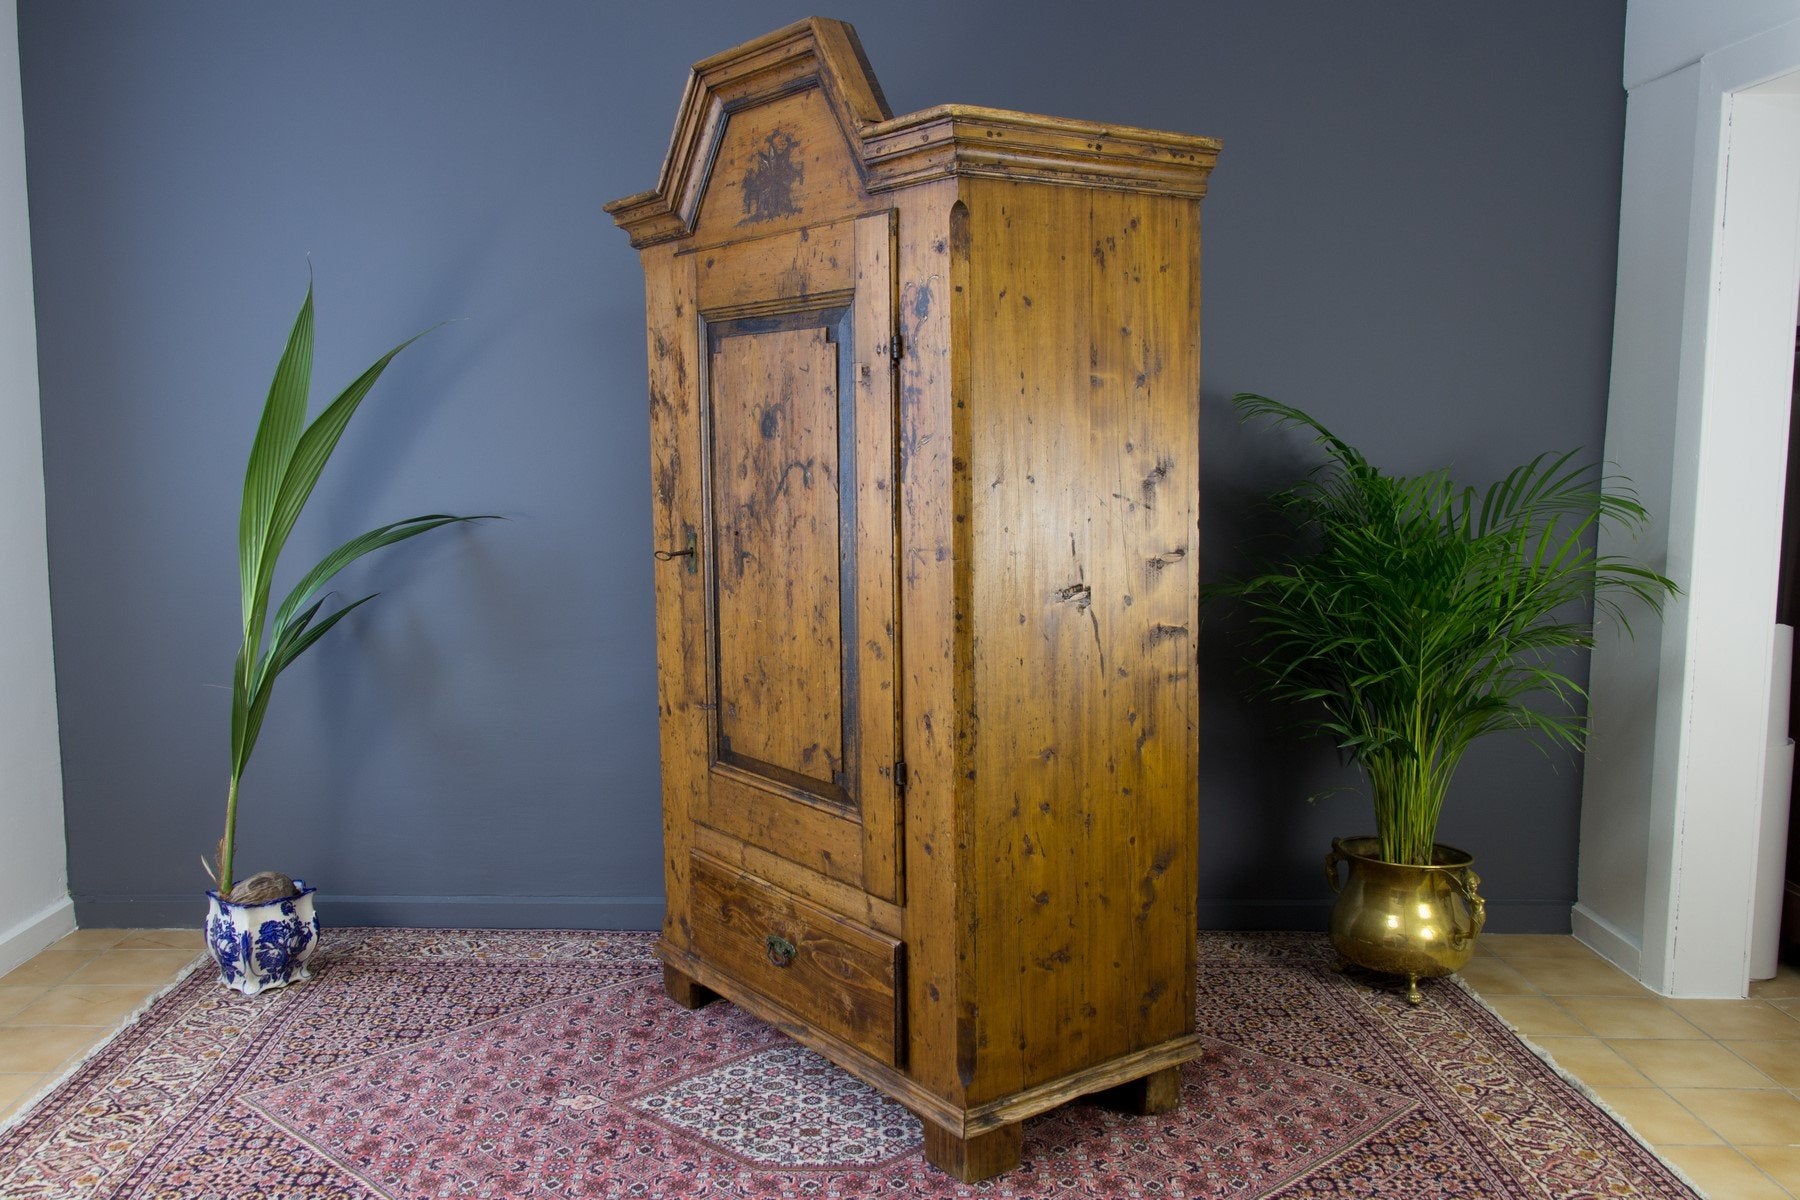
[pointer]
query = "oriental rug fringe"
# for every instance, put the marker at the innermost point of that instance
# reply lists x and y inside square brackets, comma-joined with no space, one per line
[537,1065]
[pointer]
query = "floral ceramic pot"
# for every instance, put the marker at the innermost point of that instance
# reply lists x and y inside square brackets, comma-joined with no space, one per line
[262,946]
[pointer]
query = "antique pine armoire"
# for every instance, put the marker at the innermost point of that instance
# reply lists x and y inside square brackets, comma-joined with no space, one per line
[924,406]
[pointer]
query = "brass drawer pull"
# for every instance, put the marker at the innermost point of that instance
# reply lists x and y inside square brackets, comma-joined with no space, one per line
[781,951]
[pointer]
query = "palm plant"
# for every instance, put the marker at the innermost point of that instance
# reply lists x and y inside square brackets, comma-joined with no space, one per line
[286,459]
[1420,615]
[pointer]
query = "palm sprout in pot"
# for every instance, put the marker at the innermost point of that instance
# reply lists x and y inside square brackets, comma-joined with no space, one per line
[262,931]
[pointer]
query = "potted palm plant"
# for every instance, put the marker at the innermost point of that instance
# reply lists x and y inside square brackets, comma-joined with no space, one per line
[261,931]
[1414,617]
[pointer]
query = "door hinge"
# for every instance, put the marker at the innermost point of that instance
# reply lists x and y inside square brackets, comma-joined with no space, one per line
[895,348]
[900,776]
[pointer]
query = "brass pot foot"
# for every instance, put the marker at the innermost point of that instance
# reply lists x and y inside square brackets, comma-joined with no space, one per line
[1411,921]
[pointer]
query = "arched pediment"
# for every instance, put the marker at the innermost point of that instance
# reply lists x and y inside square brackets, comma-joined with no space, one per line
[771,129]
[816,70]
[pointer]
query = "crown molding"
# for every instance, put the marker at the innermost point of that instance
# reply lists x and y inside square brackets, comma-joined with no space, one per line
[892,152]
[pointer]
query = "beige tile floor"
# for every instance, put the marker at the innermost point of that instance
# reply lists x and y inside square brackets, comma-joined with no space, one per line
[1714,1085]
[59,1005]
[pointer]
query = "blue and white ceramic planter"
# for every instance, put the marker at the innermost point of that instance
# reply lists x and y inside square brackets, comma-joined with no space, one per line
[262,946]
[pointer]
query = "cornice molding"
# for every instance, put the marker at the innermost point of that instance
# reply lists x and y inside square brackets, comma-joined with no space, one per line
[961,139]
[934,143]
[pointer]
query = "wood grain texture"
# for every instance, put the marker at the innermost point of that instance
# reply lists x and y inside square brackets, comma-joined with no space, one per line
[936,905]
[775,273]
[1042,1097]
[904,1087]
[789,821]
[1145,374]
[876,652]
[775,466]
[824,60]
[976,1157]
[686,991]
[840,896]
[801,465]
[778,165]
[1036,771]
[816,52]
[968,141]
[929,403]
[1157,1092]
[828,971]
[1084,465]
[677,506]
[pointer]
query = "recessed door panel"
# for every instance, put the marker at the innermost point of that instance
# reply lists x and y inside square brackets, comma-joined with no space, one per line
[781,620]
[799,549]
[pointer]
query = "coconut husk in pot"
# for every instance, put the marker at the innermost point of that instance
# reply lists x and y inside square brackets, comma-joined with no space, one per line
[264,887]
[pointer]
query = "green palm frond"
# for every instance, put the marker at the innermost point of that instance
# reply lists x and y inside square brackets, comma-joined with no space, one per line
[1423,615]
[286,460]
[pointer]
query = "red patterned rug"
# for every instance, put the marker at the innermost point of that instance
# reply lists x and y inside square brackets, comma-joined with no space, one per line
[530,1066]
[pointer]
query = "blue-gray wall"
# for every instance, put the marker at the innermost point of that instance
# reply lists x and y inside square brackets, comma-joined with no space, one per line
[1411,232]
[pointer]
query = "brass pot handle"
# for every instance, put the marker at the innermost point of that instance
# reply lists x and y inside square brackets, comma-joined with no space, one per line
[1332,859]
[1466,881]
[781,951]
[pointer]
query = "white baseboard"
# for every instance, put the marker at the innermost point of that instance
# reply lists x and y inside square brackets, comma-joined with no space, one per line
[1607,940]
[35,932]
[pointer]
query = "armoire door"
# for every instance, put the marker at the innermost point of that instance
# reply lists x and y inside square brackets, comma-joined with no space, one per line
[798,548]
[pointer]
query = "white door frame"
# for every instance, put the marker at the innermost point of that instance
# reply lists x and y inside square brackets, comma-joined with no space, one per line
[1699,744]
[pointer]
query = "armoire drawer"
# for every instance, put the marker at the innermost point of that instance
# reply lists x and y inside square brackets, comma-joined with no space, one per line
[837,976]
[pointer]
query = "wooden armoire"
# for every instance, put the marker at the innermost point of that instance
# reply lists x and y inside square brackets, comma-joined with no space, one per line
[924,398]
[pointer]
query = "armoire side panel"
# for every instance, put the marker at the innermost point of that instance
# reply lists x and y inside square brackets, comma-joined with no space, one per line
[1034,634]
[1146,374]
[1148,368]
[1084,463]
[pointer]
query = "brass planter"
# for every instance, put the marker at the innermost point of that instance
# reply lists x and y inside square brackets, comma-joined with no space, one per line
[1419,922]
